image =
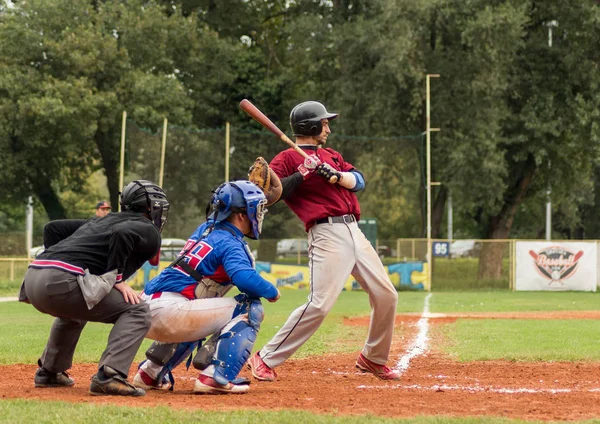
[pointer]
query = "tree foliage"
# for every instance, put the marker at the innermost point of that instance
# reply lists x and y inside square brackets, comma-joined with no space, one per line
[517,115]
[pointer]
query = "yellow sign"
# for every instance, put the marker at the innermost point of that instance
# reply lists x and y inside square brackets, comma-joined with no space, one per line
[404,275]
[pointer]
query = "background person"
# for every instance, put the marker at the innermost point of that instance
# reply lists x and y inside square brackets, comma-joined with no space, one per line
[103,208]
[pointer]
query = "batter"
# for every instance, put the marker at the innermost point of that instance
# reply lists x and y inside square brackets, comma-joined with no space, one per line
[336,247]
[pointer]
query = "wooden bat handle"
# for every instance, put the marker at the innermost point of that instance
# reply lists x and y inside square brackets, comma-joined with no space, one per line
[247,106]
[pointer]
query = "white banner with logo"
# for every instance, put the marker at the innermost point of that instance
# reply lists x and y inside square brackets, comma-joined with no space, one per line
[556,266]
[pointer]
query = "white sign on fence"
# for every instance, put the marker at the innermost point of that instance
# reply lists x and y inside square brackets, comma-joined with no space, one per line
[556,266]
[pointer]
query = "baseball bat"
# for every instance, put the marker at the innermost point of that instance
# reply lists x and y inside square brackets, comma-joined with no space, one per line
[247,106]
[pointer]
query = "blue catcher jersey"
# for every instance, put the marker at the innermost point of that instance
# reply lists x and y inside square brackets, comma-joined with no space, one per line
[222,256]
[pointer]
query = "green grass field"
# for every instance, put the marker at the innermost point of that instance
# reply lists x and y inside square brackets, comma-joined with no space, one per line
[23,411]
[24,331]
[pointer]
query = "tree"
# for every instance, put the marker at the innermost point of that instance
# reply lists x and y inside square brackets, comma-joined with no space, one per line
[69,69]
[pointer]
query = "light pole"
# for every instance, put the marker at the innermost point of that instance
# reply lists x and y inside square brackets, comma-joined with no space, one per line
[550,25]
[428,130]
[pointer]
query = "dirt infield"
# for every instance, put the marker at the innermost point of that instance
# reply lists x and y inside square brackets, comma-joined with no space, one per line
[432,385]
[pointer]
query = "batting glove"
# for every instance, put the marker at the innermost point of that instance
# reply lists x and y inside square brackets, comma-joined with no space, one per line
[309,166]
[328,172]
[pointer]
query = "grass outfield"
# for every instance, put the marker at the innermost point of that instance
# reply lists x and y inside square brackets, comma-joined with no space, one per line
[506,301]
[24,331]
[522,340]
[28,411]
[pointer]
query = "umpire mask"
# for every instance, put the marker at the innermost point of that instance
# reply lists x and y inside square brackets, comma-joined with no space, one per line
[144,196]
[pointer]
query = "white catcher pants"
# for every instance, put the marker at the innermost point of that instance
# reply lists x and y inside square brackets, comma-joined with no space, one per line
[177,319]
[335,251]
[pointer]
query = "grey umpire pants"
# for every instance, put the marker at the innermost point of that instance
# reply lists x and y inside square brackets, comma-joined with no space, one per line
[57,293]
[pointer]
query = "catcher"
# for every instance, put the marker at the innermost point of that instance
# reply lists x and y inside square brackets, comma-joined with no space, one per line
[187,304]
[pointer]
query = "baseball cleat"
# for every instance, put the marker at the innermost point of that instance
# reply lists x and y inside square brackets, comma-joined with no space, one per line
[383,372]
[45,378]
[260,370]
[208,385]
[115,384]
[144,381]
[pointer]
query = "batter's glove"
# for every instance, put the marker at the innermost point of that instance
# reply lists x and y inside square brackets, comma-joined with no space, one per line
[309,166]
[264,177]
[328,172]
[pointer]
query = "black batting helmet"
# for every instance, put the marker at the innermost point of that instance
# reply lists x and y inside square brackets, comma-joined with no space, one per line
[145,196]
[306,117]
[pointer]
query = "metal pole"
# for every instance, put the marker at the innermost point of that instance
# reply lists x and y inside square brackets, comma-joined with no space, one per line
[29,225]
[428,186]
[227,148]
[162,154]
[450,223]
[550,25]
[122,160]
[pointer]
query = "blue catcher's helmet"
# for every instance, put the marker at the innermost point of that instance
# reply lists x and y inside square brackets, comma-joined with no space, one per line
[240,196]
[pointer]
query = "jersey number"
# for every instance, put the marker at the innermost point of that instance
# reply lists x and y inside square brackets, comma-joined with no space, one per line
[196,254]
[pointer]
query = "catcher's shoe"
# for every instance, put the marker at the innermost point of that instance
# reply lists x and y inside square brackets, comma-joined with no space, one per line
[45,378]
[208,385]
[115,384]
[144,381]
[382,372]
[260,370]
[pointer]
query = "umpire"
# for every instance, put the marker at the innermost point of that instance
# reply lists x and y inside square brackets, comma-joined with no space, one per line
[81,276]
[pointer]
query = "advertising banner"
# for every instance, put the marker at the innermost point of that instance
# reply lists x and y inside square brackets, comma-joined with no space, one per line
[556,266]
[404,275]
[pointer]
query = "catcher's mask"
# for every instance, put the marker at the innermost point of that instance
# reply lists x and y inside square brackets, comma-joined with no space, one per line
[144,196]
[306,118]
[240,197]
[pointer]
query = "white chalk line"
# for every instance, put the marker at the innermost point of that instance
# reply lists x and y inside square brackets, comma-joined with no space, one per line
[419,345]
[8,299]
[479,389]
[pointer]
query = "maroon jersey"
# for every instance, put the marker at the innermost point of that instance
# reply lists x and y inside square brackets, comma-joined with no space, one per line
[316,198]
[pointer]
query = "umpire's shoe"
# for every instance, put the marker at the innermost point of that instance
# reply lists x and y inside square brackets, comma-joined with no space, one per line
[114,384]
[45,378]
[382,372]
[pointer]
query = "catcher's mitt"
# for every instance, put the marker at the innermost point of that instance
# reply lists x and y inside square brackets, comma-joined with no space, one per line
[264,177]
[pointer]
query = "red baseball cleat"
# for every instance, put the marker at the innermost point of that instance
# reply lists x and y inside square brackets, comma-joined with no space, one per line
[260,370]
[383,372]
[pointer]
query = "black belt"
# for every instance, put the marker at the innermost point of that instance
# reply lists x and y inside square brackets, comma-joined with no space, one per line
[344,219]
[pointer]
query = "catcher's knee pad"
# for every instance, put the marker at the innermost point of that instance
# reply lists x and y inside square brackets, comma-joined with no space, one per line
[252,307]
[235,343]
[160,353]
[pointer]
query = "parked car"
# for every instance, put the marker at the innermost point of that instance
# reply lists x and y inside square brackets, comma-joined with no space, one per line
[385,251]
[290,247]
[170,248]
[34,251]
[462,248]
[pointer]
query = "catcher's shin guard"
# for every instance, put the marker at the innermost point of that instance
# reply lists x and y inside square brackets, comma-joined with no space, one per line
[170,355]
[235,343]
